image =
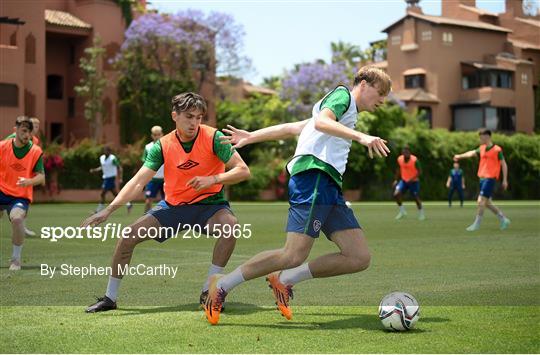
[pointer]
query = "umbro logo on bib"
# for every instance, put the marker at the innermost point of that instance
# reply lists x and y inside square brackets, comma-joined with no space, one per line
[17,167]
[187,165]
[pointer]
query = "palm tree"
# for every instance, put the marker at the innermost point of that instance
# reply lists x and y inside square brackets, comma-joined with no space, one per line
[346,52]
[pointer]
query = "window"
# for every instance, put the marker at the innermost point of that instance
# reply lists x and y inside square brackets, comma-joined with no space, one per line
[447,38]
[482,78]
[426,35]
[468,118]
[493,118]
[57,132]
[507,118]
[30,49]
[414,81]
[71,107]
[426,115]
[9,95]
[396,40]
[13,39]
[55,87]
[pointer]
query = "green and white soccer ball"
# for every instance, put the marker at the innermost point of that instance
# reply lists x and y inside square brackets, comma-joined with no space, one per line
[399,311]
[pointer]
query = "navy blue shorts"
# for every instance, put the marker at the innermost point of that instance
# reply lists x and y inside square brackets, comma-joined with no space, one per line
[10,202]
[153,187]
[317,204]
[413,187]
[486,187]
[109,183]
[184,216]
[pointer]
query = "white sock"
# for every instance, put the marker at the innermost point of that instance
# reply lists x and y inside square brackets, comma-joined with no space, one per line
[421,211]
[478,220]
[296,275]
[231,280]
[112,288]
[501,216]
[402,209]
[16,255]
[212,270]
[99,207]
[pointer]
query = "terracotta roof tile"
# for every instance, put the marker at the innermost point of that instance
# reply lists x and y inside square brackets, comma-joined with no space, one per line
[450,21]
[65,19]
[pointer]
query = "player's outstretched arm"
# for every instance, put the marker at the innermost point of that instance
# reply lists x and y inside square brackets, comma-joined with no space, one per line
[240,138]
[466,155]
[131,191]
[237,171]
[327,123]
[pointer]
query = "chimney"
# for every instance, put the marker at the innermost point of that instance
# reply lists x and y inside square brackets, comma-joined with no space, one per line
[515,7]
[450,8]
[412,6]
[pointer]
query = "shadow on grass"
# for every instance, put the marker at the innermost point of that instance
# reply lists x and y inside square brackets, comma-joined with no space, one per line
[235,308]
[366,322]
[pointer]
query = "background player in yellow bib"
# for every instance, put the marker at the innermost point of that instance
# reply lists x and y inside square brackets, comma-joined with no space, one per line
[489,169]
[196,167]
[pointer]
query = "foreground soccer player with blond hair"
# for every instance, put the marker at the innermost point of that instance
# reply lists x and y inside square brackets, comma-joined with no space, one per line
[315,196]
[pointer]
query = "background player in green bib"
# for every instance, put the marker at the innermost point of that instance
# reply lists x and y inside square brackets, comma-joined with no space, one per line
[315,196]
[489,168]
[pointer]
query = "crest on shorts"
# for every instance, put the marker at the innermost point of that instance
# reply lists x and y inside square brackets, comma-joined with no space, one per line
[316,225]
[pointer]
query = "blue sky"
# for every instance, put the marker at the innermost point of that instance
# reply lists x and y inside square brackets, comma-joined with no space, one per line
[280,33]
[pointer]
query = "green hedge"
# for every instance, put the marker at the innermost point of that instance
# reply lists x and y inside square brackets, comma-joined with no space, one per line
[434,147]
[80,158]
[435,150]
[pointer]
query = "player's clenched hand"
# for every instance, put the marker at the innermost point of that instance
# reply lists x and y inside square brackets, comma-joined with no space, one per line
[375,144]
[96,218]
[202,182]
[237,137]
[505,185]
[23,182]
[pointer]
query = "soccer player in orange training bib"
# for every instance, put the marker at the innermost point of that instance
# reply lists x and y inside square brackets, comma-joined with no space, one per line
[489,168]
[408,172]
[35,139]
[196,167]
[21,168]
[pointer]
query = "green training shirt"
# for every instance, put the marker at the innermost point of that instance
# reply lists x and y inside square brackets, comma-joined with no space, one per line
[338,102]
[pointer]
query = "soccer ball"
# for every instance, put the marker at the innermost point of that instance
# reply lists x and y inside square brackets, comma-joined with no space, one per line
[399,311]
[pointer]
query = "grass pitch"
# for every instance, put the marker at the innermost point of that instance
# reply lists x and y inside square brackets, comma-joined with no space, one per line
[478,292]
